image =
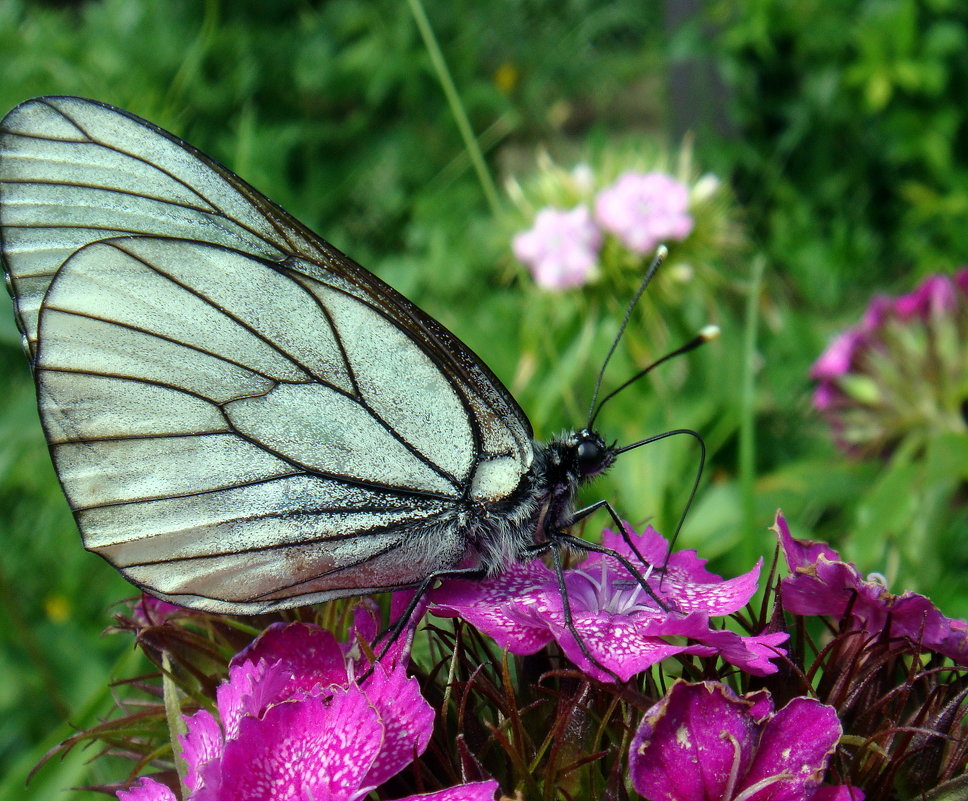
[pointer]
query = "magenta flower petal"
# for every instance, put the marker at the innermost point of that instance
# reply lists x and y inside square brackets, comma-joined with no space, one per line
[366,622]
[623,647]
[686,581]
[798,741]
[822,584]
[826,396]
[408,718]
[693,743]
[935,295]
[201,744]
[475,791]
[878,310]
[147,789]
[801,553]
[961,280]
[507,609]
[838,793]
[752,654]
[251,687]
[309,654]
[151,611]
[398,654]
[838,358]
[702,742]
[311,748]
[686,585]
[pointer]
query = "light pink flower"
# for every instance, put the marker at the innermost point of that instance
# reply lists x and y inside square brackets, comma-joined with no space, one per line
[561,251]
[645,209]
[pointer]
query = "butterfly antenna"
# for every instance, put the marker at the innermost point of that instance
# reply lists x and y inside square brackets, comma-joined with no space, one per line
[695,483]
[707,334]
[660,254]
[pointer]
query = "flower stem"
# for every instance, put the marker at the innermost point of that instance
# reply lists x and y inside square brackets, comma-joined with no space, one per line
[747,410]
[456,107]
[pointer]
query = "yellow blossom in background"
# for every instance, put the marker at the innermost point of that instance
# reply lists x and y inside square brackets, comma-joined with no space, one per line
[506,77]
[57,608]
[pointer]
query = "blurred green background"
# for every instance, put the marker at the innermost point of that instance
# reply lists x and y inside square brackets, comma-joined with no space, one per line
[842,129]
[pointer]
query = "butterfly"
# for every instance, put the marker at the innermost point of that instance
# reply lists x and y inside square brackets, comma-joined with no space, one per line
[241,417]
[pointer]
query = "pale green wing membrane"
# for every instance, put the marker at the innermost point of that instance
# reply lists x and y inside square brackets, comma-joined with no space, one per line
[241,417]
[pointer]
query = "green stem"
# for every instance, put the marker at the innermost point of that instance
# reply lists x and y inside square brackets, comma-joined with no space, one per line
[173,714]
[456,107]
[747,421]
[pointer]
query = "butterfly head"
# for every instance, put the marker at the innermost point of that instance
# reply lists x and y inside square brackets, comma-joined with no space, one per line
[577,457]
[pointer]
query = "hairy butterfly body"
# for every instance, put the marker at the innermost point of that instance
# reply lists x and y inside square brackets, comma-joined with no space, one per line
[241,417]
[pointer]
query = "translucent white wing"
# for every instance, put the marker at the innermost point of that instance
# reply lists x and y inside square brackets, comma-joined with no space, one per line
[240,416]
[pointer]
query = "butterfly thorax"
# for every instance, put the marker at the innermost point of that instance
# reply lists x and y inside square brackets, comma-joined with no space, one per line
[543,504]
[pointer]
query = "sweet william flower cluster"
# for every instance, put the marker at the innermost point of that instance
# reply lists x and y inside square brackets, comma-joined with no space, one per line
[640,210]
[642,693]
[621,630]
[703,741]
[676,691]
[901,373]
[293,722]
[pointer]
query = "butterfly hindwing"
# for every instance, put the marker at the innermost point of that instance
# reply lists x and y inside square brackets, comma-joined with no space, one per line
[240,415]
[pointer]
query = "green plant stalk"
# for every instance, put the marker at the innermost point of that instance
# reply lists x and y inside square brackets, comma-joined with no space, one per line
[194,54]
[456,107]
[176,725]
[747,414]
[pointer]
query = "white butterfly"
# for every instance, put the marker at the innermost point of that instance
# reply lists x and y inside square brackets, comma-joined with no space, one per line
[242,418]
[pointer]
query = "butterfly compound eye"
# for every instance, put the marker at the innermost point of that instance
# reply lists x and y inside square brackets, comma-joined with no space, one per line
[591,454]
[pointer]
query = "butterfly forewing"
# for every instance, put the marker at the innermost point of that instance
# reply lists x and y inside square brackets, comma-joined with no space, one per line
[241,417]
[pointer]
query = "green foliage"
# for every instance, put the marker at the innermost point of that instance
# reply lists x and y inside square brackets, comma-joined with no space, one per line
[850,146]
[846,147]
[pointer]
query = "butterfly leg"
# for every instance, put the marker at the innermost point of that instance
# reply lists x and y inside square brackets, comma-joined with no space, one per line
[561,538]
[396,628]
[569,619]
[583,545]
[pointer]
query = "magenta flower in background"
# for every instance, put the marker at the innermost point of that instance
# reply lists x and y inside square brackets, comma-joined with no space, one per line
[937,294]
[900,371]
[151,611]
[147,789]
[823,584]
[838,358]
[644,209]
[561,250]
[291,725]
[620,624]
[702,742]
